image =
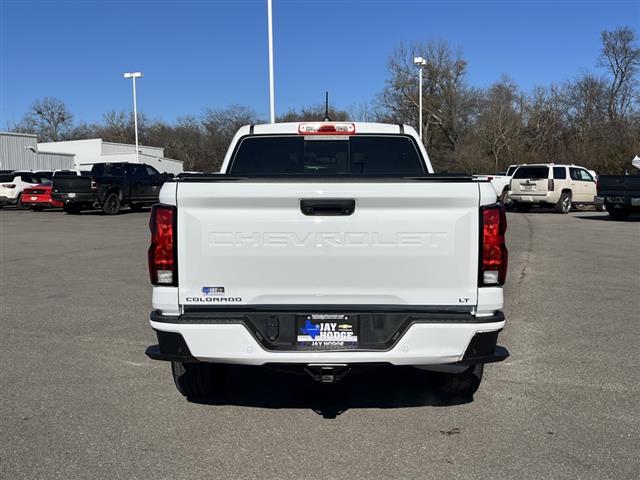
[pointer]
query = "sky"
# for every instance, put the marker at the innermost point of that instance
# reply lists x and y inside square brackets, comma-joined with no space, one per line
[198,54]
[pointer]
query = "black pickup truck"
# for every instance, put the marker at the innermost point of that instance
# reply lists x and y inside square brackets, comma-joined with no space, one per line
[109,187]
[620,195]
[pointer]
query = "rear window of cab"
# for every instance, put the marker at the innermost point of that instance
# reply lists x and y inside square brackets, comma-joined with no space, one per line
[358,155]
[532,172]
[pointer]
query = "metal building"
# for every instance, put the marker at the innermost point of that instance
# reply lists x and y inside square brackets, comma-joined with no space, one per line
[19,151]
[95,150]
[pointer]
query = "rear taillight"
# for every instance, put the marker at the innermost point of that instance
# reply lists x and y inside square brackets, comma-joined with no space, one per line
[9,185]
[550,185]
[493,250]
[163,265]
[94,186]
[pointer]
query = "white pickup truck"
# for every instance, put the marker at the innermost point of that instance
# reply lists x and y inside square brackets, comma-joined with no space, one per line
[327,247]
[501,183]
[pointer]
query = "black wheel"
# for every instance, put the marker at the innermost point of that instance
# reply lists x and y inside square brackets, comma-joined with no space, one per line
[618,214]
[37,209]
[462,384]
[136,207]
[564,203]
[71,209]
[20,205]
[111,205]
[523,207]
[600,208]
[196,380]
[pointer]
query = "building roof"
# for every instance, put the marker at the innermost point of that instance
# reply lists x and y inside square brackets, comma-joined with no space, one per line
[18,134]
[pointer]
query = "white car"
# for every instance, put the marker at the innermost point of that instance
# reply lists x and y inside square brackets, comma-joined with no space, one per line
[549,184]
[12,185]
[327,247]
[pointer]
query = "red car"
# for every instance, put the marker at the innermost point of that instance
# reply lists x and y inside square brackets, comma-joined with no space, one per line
[39,197]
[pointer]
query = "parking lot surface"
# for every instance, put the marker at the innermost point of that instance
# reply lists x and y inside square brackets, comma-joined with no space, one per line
[79,399]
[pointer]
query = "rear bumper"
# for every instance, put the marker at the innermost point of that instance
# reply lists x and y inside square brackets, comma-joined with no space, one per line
[424,339]
[550,197]
[8,200]
[619,201]
[75,198]
[41,202]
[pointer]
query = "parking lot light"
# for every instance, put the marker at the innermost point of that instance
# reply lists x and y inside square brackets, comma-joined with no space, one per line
[420,63]
[272,107]
[133,76]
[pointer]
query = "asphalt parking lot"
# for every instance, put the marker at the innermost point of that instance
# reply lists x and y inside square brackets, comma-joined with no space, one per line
[79,399]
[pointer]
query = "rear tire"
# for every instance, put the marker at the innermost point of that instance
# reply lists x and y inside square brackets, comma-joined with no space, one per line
[462,384]
[111,205]
[564,203]
[618,214]
[195,380]
[523,207]
[37,209]
[601,208]
[20,205]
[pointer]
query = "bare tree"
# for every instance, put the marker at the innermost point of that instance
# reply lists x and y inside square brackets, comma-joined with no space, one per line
[48,118]
[586,110]
[363,112]
[117,127]
[500,123]
[449,104]
[183,140]
[313,113]
[545,114]
[219,126]
[621,57]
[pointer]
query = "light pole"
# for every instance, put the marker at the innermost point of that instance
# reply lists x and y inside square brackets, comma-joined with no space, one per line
[272,107]
[420,63]
[133,76]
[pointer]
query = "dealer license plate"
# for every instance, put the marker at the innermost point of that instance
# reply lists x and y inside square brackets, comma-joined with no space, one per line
[34,198]
[327,331]
[71,195]
[529,187]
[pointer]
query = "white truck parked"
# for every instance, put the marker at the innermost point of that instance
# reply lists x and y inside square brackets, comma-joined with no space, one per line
[327,246]
[501,183]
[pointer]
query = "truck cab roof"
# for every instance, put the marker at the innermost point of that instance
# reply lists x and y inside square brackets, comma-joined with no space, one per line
[326,130]
[294,128]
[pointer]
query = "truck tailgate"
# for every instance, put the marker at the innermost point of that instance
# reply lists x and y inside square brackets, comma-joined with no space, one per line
[406,243]
[68,184]
[620,185]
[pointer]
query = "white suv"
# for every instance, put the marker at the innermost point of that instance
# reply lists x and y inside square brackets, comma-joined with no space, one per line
[560,186]
[12,185]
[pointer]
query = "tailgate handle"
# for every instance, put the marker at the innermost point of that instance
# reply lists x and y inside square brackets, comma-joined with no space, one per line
[327,206]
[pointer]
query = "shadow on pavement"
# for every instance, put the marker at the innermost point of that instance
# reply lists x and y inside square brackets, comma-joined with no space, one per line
[379,387]
[124,211]
[607,218]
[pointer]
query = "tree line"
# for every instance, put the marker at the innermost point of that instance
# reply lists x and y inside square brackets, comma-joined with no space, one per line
[592,120]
